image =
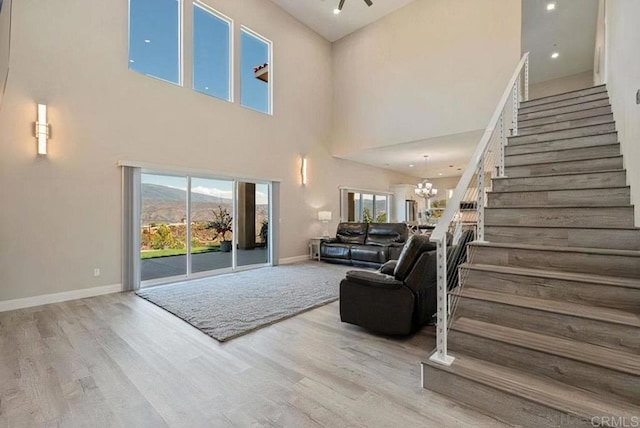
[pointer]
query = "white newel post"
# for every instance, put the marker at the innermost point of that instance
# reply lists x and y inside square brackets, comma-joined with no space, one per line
[442,314]
[516,104]
[526,79]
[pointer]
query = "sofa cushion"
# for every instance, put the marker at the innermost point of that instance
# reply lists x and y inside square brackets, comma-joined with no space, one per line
[373,279]
[351,233]
[369,253]
[335,251]
[386,233]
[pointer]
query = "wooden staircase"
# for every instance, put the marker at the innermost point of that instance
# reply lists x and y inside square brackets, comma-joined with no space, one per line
[546,330]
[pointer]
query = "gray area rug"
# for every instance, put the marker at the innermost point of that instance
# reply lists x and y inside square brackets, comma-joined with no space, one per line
[228,306]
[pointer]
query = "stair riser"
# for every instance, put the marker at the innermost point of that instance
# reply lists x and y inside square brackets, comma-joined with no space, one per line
[513,410]
[561,217]
[598,264]
[595,152]
[589,165]
[561,182]
[553,289]
[565,96]
[604,102]
[601,333]
[582,375]
[585,131]
[580,197]
[567,144]
[559,126]
[615,239]
[565,116]
[582,101]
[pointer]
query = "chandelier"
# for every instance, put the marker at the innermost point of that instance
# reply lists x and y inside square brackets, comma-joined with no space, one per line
[425,188]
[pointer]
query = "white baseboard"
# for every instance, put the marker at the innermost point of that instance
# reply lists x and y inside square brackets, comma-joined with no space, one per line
[295,259]
[45,299]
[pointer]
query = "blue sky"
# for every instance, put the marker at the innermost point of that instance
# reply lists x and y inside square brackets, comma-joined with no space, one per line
[154,50]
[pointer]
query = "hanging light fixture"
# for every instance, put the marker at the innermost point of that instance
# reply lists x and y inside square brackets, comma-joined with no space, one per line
[425,188]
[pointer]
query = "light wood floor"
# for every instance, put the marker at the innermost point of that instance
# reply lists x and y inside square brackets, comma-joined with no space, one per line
[118,360]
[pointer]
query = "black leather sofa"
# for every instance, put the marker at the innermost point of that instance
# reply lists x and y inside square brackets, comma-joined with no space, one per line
[365,244]
[400,297]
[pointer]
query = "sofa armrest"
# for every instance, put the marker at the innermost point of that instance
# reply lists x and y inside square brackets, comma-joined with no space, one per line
[374,279]
[389,267]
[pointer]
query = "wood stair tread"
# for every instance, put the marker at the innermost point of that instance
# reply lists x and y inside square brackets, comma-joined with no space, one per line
[554,190]
[589,111]
[577,227]
[560,307]
[604,251]
[532,100]
[549,393]
[570,102]
[614,281]
[608,358]
[546,152]
[551,207]
[525,128]
[569,161]
[513,137]
[561,174]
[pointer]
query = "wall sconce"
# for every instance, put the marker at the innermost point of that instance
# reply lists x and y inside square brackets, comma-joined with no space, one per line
[325,218]
[41,129]
[303,171]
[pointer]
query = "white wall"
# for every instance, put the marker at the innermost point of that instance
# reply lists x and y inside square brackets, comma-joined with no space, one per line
[432,68]
[623,81]
[561,85]
[61,215]
[5,15]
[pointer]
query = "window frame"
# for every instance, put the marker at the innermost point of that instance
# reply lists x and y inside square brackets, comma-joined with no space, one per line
[180,46]
[269,43]
[230,21]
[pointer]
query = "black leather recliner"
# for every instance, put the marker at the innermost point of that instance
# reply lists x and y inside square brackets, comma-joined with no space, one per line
[363,244]
[400,297]
[397,299]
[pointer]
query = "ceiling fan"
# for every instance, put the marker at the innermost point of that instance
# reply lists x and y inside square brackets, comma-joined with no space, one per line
[341,4]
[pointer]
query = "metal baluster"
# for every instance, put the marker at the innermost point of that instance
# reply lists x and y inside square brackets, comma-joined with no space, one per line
[480,199]
[516,105]
[503,142]
[526,79]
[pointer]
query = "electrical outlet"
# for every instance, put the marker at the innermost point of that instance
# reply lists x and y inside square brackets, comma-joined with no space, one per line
[96,272]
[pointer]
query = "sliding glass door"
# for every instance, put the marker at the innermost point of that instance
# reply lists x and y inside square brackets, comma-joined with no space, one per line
[194,226]
[211,224]
[163,221]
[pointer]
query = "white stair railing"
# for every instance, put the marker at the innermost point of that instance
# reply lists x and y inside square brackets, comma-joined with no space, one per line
[465,208]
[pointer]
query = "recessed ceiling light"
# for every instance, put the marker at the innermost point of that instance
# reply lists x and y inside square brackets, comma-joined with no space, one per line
[131,61]
[551,6]
[336,11]
[411,166]
[147,41]
[206,87]
[439,173]
[555,55]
